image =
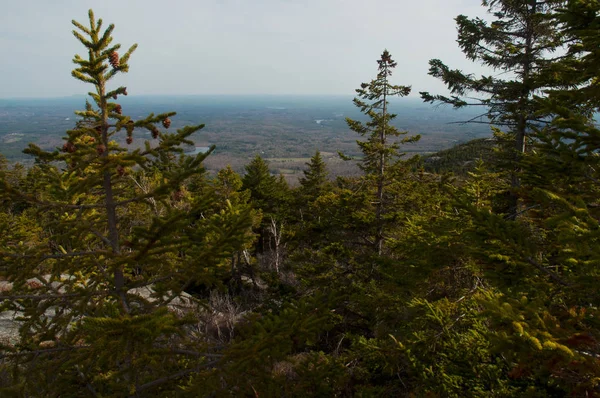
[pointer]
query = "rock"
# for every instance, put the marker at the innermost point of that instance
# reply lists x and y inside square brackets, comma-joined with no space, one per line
[9,323]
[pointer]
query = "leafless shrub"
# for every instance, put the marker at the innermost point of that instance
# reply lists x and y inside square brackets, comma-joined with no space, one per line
[287,368]
[217,322]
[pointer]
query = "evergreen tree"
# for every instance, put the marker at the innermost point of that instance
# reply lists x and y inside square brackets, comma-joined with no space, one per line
[261,184]
[15,175]
[270,195]
[521,41]
[228,189]
[540,268]
[96,292]
[561,181]
[579,70]
[381,154]
[314,182]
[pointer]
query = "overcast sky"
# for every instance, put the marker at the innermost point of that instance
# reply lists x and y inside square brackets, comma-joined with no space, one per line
[233,46]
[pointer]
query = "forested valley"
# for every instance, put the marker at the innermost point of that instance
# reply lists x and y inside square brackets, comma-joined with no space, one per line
[126,269]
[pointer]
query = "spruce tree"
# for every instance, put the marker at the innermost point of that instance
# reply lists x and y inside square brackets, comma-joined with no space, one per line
[261,184]
[228,189]
[521,42]
[98,293]
[540,269]
[315,177]
[561,179]
[270,195]
[313,184]
[381,156]
[579,70]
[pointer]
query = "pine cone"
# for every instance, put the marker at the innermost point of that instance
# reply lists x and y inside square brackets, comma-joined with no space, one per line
[129,140]
[115,96]
[166,123]
[154,131]
[118,109]
[69,147]
[121,171]
[129,127]
[100,149]
[125,91]
[113,58]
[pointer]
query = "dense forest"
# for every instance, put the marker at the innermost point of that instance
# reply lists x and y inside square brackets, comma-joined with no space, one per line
[126,269]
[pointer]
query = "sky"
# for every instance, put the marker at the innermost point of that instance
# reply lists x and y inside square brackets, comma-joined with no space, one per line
[206,47]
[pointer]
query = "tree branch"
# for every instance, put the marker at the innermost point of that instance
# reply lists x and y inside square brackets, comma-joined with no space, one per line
[551,274]
[171,377]
[44,351]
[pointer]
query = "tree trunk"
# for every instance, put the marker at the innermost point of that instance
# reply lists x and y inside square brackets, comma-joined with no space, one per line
[524,115]
[277,233]
[111,208]
[381,179]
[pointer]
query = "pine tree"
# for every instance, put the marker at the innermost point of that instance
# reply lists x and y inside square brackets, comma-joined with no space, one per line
[541,268]
[228,189]
[380,150]
[15,175]
[568,145]
[561,179]
[581,92]
[521,41]
[119,237]
[270,195]
[261,184]
[313,184]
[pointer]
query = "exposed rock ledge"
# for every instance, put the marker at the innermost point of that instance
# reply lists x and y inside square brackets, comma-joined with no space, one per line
[9,324]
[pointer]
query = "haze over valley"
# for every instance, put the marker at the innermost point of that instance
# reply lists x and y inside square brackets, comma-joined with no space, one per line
[286,130]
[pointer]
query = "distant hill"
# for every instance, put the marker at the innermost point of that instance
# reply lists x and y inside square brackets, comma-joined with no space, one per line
[461,158]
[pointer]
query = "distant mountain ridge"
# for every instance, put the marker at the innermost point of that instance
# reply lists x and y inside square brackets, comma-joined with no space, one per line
[461,158]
